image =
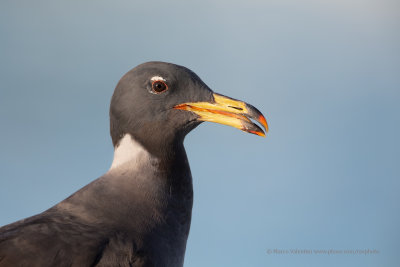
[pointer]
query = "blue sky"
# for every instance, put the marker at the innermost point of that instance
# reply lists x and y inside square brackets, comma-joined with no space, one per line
[325,74]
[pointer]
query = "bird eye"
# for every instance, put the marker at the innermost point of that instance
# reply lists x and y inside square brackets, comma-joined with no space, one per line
[159,86]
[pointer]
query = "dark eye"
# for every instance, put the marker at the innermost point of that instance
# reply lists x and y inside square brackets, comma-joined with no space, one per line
[159,86]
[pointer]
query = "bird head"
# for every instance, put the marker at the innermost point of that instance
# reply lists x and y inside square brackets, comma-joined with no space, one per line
[158,103]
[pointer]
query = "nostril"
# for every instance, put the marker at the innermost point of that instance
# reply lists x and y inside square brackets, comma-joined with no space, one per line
[235,108]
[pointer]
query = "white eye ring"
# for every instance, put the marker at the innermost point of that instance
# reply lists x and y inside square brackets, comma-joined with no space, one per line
[157,78]
[158,86]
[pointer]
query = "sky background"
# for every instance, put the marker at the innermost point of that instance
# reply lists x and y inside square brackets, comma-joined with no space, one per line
[326,74]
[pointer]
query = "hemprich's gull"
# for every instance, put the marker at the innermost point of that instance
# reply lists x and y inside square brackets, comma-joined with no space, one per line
[139,212]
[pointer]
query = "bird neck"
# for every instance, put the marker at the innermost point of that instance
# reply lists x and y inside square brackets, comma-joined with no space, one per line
[136,177]
[127,150]
[167,178]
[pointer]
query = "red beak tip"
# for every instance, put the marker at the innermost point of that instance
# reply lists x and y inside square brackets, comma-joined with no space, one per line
[257,133]
[263,121]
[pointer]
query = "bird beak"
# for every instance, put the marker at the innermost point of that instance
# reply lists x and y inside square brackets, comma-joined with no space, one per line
[228,111]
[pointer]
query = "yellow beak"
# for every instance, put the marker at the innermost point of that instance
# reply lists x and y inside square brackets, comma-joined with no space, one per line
[228,111]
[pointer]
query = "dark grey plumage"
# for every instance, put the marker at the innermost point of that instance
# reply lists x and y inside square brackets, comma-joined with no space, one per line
[139,212]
